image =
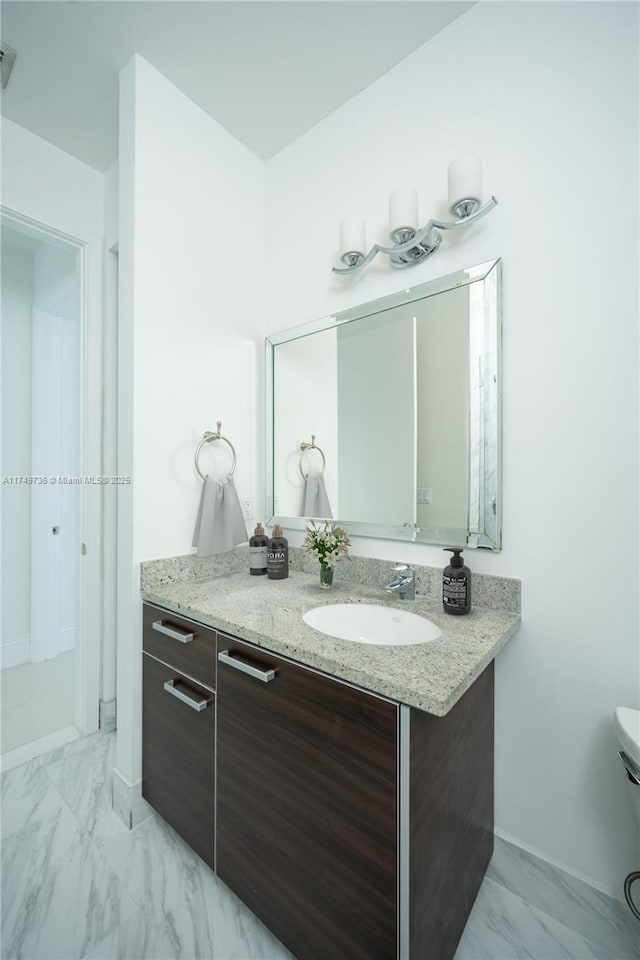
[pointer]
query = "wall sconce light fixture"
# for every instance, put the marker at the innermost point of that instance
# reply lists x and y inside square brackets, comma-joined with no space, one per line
[412,243]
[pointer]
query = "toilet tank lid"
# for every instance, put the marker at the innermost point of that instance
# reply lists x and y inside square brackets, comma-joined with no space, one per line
[627,724]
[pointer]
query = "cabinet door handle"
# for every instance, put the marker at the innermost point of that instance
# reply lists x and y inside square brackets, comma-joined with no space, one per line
[202,704]
[176,633]
[264,675]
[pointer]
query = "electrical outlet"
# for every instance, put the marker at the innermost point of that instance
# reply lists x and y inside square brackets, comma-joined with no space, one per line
[424,495]
[247,507]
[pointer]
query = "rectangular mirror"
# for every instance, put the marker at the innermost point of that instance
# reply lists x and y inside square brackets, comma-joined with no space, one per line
[386,417]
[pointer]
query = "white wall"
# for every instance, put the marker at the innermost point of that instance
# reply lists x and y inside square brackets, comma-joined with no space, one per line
[17,294]
[50,186]
[111,206]
[54,274]
[547,95]
[191,248]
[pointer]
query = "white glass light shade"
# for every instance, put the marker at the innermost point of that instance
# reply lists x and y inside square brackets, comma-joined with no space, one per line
[403,211]
[465,184]
[352,236]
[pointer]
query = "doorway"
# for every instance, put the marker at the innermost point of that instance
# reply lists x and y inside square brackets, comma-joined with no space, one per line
[46,699]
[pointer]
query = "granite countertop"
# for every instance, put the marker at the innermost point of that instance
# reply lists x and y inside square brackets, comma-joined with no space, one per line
[268,613]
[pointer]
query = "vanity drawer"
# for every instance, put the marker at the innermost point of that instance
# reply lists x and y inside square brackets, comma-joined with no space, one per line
[187,646]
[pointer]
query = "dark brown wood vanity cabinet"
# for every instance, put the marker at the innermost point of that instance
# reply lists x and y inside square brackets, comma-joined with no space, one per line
[307,805]
[178,725]
[354,827]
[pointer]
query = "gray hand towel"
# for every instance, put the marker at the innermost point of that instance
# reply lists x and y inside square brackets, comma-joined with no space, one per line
[219,524]
[315,501]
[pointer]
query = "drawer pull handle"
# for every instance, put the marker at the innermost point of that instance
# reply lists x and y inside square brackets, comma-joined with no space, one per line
[264,675]
[199,705]
[176,633]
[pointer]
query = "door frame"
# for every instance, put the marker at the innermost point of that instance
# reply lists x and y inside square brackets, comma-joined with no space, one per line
[89,611]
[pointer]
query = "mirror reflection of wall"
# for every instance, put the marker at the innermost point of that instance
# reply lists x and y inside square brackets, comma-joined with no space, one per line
[305,403]
[376,419]
[443,410]
[403,398]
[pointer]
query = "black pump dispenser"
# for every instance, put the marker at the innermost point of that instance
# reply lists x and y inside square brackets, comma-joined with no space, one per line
[456,559]
[278,555]
[258,552]
[456,584]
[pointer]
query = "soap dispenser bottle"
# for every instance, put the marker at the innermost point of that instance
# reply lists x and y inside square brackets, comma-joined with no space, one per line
[278,555]
[258,552]
[456,584]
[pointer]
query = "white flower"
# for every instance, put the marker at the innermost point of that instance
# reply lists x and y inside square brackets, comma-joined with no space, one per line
[327,542]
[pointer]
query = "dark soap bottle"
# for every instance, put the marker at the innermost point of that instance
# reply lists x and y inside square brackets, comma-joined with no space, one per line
[278,555]
[456,584]
[258,552]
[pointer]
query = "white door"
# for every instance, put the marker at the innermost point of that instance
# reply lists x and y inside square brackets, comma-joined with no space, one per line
[62,427]
[55,494]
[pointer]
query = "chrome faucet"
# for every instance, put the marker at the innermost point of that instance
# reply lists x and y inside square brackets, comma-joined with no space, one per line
[405,582]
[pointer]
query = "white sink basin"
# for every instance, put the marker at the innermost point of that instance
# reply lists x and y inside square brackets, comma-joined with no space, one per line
[370,623]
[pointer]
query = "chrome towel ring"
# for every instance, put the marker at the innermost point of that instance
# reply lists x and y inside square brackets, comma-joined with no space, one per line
[305,447]
[207,438]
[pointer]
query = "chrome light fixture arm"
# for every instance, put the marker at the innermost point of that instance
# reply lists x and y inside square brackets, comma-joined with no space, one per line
[415,247]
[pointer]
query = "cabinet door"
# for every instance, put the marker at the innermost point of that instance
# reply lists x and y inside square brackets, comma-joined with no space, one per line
[306,805]
[178,744]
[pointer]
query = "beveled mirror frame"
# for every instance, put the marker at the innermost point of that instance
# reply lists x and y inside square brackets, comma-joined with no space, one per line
[490,272]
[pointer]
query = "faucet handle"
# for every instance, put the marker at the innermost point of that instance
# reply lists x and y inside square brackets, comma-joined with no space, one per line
[402,568]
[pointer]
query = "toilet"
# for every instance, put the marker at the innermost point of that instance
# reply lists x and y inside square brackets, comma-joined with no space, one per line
[627,727]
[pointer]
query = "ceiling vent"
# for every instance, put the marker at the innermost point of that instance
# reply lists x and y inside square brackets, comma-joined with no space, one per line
[7,59]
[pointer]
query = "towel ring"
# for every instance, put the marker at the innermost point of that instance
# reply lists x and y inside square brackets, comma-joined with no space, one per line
[207,438]
[305,447]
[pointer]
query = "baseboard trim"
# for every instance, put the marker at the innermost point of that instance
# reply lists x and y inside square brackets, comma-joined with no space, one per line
[127,801]
[37,748]
[15,652]
[559,865]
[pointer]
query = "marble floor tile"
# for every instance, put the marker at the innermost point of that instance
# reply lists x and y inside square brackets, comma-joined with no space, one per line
[136,939]
[89,742]
[599,918]
[195,912]
[77,884]
[502,926]
[27,796]
[37,748]
[237,933]
[60,897]
[83,778]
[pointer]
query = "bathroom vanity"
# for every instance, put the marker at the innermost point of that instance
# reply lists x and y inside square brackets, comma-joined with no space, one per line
[352,820]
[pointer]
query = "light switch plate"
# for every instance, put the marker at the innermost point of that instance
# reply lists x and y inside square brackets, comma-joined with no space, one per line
[247,507]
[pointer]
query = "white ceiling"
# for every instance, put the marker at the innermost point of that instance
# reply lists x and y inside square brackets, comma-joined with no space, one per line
[267,71]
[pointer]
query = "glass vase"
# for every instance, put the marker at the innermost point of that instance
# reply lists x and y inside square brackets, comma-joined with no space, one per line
[326,576]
